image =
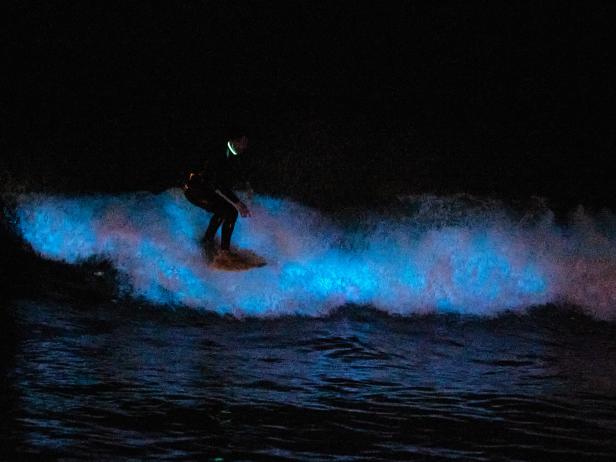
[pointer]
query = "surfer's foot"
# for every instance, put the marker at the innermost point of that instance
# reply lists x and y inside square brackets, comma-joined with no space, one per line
[228,254]
[210,249]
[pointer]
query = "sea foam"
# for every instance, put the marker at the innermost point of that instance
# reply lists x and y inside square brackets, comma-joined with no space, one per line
[430,254]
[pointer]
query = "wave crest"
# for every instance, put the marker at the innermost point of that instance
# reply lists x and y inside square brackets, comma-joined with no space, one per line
[455,254]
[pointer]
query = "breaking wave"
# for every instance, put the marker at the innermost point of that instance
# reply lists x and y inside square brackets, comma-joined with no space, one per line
[430,254]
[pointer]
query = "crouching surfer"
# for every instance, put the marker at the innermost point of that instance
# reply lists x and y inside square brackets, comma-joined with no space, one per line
[211,189]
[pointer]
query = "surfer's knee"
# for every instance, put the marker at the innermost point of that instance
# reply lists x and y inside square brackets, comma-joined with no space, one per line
[230,215]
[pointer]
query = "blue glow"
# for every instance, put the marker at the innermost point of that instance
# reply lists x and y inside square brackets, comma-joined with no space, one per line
[478,263]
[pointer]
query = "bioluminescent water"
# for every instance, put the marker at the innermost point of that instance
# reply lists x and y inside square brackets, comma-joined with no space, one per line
[103,380]
[431,254]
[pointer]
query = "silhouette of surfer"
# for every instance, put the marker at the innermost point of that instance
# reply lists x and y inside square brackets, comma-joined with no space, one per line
[211,189]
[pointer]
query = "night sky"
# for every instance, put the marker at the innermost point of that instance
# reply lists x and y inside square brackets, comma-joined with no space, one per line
[345,102]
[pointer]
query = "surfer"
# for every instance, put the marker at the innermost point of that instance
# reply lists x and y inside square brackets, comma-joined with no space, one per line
[211,189]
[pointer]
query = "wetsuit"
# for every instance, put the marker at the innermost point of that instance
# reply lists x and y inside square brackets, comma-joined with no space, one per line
[211,190]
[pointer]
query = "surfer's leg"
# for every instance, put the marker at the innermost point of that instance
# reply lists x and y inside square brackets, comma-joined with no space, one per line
[215,223]
[212,204]
[228,224]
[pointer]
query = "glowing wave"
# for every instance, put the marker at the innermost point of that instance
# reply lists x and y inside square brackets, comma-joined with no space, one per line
[438,254]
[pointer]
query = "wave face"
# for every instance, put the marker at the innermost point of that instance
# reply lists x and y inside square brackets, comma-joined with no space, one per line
[432,254]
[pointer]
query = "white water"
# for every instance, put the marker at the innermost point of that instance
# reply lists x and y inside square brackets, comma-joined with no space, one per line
[454,254]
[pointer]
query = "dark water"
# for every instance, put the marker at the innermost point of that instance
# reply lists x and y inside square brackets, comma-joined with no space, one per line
[109,382]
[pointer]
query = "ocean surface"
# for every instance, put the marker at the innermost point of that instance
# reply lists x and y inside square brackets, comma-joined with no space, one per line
[116,381]
[442,328]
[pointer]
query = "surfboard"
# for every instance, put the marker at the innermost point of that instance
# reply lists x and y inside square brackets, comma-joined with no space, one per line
[239,260]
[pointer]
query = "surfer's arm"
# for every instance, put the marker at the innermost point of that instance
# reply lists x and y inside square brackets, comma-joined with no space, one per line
[232,199]
[227,194]
[243,209]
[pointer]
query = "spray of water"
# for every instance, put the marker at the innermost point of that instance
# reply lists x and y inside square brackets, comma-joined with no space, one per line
[451,254]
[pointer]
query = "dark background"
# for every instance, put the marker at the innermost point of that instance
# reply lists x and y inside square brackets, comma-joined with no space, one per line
[345,102]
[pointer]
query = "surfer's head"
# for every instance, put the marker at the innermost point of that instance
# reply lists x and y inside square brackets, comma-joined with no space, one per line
[238,145]
[237,139]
